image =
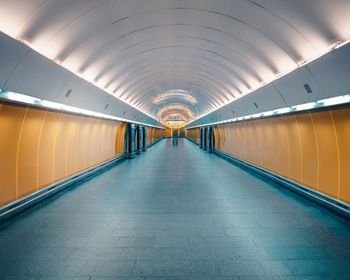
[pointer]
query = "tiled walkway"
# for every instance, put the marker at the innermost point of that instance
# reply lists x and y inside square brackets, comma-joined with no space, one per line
[176,212]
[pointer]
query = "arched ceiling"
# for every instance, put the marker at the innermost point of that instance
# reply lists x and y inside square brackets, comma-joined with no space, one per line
[178,59]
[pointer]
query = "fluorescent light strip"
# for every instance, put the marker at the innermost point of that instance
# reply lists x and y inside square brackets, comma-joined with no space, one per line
[26,99]
[302,63]
[333,101]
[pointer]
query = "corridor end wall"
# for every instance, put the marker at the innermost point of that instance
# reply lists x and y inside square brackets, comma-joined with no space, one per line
[311,148]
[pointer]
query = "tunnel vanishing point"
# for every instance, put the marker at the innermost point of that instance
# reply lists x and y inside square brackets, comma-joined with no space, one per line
[175,139]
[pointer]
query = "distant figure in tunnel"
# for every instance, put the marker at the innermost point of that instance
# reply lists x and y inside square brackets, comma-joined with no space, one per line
[175,138]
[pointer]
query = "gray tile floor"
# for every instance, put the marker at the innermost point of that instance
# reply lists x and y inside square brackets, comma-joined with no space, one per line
[176,212]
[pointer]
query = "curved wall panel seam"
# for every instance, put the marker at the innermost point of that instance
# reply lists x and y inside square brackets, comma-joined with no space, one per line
[21,59]
[318,153]
[301,150]
[54,146]
[38,150]
[338,153]
[17,151]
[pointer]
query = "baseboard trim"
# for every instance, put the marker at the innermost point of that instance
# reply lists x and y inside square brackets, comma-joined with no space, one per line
[155,142]
[334,205]
[321,199]
[24,203]
[194,142]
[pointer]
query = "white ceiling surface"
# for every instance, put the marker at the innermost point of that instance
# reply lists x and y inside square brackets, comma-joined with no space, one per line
[327,77]
[22,70]
[215,49]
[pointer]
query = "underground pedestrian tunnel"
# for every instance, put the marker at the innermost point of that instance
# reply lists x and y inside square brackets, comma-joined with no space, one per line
[172,139]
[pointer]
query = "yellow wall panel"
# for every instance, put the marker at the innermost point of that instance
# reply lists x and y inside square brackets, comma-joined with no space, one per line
[47,147]
[108,141]
[296,162]
[11,120]
[158,133]
[216,136]
[342,123]
[219,138]
[193,134]
[243,140]
[274,157]
[83,139]
[223,136]
[310,150]
[153,134]
[119,140]
[149,136]
[89,157]
[251,149]
[328,153]
[233,146]
[259,142]
[39,147]
[71,157]
[95,144]
[270,152]
[283,148]
[103,128]
[28,151]
[168,132]
[238,149]
[59,158]
[228,142]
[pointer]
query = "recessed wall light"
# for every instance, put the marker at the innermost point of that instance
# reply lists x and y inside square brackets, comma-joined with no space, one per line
[68,93]
[307,88]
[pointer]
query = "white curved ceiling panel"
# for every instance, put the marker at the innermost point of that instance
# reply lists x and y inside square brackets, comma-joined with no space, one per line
[326,77]
[14,53]
[216,51]
[36,76]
